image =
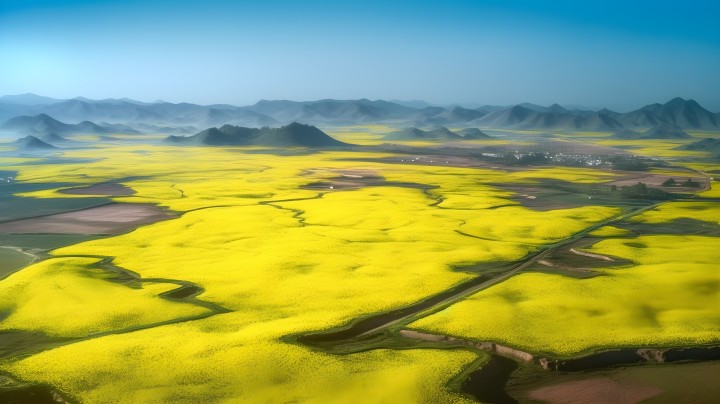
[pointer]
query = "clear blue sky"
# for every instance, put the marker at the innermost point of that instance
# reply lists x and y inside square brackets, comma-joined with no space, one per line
[620,54]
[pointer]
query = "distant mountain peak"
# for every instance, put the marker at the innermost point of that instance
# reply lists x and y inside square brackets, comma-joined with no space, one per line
[519,108]
[44,117]
[28,99]
[557,108]
[679,102]
[676,100]
[33,143]
[296,125]
[293,135]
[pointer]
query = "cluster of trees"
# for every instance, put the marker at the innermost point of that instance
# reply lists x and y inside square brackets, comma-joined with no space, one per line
[641,191]
[670,182]
[637,191]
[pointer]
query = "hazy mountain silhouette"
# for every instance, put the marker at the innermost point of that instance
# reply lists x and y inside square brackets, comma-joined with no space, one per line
[441,133]
[27,99]
[53,138]
[32,143]
[663,131]
[176,130]
[417,104]
[520,117]
[686,114]
[640,118]
[683,113]
[295,134]
[473,133]
[43,124]
[129,112]
[453,115]
[707,144]
[119,128]
[334,111]
[533,107]
[677,112]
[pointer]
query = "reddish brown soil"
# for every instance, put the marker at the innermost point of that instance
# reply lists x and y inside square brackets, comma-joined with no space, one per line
[594,390]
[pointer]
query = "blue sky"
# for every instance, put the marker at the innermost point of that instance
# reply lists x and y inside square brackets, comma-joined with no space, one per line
[595,53]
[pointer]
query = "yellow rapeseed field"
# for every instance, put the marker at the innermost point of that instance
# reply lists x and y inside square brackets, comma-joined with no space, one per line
[609,231]
[67,297]
[704,211]
[282,258]
[668,298]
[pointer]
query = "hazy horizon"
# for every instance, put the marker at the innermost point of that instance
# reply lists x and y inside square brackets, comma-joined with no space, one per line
[595,54]
[398,101]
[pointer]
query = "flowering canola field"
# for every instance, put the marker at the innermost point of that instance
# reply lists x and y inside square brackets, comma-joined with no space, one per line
[670,296]
[283,260]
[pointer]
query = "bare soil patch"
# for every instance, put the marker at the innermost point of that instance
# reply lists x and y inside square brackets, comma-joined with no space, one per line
[355,179]
[595,390]
[657,180]
[591,255]
[107,219]
[572,261]
[677,383]
[545,198]
[564,267]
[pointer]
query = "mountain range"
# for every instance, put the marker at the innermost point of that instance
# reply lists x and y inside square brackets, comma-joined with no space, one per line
[185,117]
[43,125]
